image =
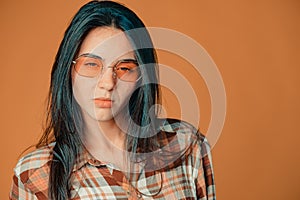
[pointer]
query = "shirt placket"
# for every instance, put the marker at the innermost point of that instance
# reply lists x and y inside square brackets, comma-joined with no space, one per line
[131,192]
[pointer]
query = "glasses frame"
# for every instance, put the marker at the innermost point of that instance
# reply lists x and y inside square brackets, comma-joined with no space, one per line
[114,67]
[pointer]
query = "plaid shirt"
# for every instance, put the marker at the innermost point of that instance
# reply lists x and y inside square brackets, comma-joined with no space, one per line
[188,177]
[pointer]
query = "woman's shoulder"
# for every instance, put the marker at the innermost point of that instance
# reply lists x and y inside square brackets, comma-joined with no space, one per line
[180,128]
[179,142]
[36,160]
[181,135]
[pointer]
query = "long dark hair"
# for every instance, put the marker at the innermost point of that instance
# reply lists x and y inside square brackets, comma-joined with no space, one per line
[63,115]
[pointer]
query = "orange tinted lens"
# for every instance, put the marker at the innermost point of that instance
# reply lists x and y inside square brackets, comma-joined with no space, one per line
[88,66]
[127,71]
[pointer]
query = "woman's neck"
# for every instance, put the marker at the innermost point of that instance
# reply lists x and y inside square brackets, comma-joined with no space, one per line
[104,140]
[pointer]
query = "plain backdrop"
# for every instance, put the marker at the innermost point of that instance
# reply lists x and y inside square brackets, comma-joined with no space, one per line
[254,43]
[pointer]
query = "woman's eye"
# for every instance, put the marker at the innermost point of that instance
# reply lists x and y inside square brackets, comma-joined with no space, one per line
[125,69]
[90,64]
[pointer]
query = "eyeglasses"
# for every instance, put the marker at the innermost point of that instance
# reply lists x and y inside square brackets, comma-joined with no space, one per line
[90,65]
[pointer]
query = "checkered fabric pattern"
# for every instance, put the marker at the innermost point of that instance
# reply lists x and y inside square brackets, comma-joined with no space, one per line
[190,176]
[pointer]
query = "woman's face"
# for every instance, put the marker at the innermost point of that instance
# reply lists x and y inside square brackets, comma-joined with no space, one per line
[104,96]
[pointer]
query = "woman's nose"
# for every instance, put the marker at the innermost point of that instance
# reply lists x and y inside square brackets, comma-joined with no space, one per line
[107,79]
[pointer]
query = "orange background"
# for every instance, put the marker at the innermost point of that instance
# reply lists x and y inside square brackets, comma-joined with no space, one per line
[255,44]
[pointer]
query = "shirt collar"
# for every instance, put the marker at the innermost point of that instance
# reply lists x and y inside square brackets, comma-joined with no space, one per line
[83,158]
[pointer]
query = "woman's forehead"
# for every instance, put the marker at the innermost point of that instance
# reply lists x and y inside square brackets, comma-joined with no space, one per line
[106,42]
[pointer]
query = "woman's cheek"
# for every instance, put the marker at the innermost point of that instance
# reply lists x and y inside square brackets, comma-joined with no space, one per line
[83,90]
[122,94]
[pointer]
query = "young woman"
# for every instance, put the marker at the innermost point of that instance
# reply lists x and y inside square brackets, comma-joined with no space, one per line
[103,138]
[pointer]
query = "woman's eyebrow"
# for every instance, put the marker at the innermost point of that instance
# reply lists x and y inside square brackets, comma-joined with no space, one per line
[126,56]
[91,55]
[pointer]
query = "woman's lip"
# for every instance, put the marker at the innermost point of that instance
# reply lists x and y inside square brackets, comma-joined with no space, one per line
[103,102]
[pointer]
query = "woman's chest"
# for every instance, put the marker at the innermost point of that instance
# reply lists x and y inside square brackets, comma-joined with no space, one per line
[103,183]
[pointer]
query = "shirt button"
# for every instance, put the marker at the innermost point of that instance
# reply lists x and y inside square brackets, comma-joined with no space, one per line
[139,195]
[94,162]
[160,152]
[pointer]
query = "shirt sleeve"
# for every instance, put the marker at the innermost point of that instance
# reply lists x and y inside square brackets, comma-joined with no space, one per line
[19,191]
[205,184]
